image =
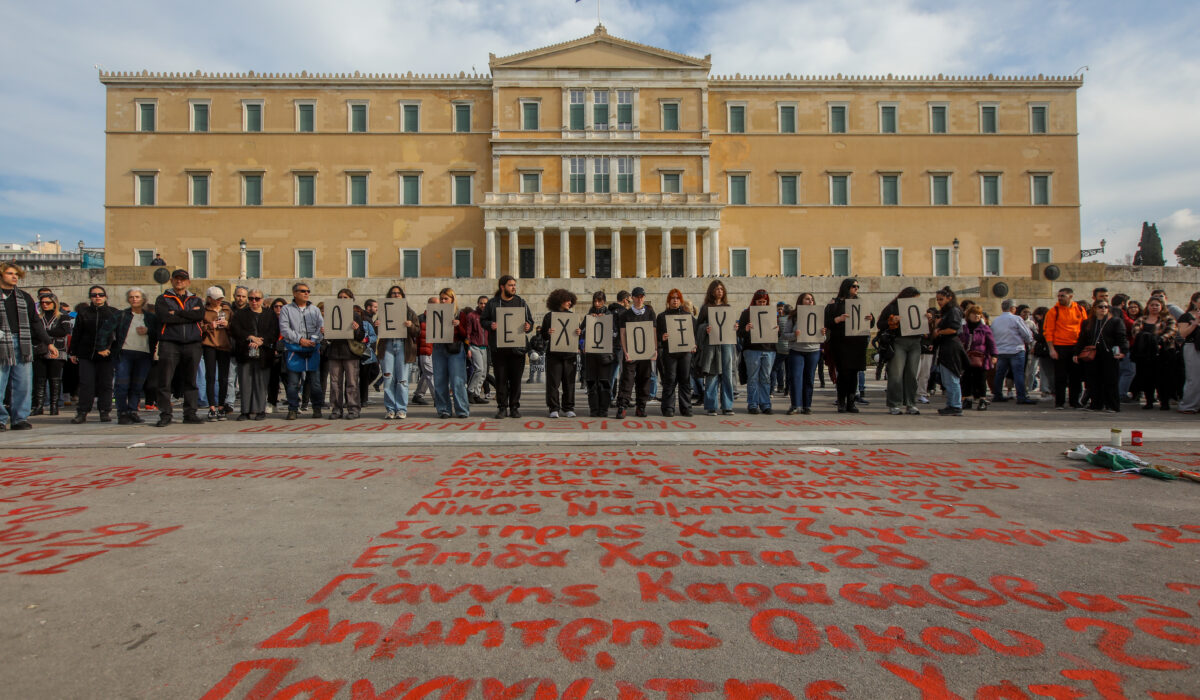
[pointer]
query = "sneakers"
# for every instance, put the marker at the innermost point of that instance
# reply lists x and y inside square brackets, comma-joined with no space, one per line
[620,413]
[912,411]
[554,414]
[570,414]
[982,405]
[390,415]
[212,415]
[894,411]
[793,411]
[401,415]
[728,412]
[806,411]
[710,413]
[922,399]
[292,415]
[948,411]
[22,425]
[270,408]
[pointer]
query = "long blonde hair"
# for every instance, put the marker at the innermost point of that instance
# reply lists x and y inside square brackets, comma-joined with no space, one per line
[448,292]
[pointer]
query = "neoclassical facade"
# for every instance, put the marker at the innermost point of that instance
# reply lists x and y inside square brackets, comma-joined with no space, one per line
[607,157]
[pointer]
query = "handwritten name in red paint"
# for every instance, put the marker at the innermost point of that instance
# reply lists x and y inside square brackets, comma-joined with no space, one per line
[255,459]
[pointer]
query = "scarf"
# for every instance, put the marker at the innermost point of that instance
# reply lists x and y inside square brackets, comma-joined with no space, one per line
[7,356]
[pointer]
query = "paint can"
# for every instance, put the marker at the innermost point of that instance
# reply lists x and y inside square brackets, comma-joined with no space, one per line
[1115,437]
[1135,438]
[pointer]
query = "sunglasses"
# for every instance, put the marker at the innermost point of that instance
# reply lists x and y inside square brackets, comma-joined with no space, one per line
[302,291]
[256,298]
[277,306]
[47,301]
[97,295]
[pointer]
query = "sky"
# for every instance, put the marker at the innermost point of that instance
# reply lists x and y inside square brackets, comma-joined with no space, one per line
[1139,146]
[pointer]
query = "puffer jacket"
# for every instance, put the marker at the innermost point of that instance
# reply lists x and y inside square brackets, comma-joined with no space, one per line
[95,330]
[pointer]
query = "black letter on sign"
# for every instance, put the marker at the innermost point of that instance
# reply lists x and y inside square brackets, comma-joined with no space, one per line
[335,318]
[720,318]
[810,325]
[639,340]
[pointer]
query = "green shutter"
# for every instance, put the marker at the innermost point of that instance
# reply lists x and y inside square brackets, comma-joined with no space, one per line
[199,118]
[991,190]
[1037,118]
[790,266]
[787,120]
[737,263]
[1041,255]
[941,190]
[737,119]
[411,263]
[306,190]
[625,183]
[253,117]
[671,182]
[841,262]
[887,120]
[529,116]
[412,189]
[576,117]
[890,190]
[529,182]
[253,190]
[1041,190]
[306,119]
[600,183]
[462,189]
[837,119]
[304,263]
[146,114]
[253,264]
[200,190]
[941,262]
[937,120]
[144,257]
[891,263]
[838,194]
[670,117]
[462,264]
[737,189]
[991,258]
[358,263]
[358,190]
[787,189]
[412,118]
[146,190]
[600,117]
[624,116]
[199,264]
[987,120]
[358,119]
[462,118]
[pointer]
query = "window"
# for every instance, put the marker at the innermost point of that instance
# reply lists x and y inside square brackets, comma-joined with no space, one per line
[410,189]
[410,262]
[889,190]
[462,189]
[576,117]
[670,116]
[529,115]
[840,262]
[739,262]
[147,115]
[463,264]
[306,190]
[252,190]
[939,190]
[147,189]
[941,262]
[670,183]
[1037,118]
[625,175]
[142,257]
[624,110]
[789,189]
[837,118]
[887,118]
[357,117]
[577,175]
[938,118]
[737,118]
[839,190]
[1040,190]
[600,179]
[306,112]
[252,115]
[199,189]
[787,119]
[356,263]
[737,189]
[253,264]
[410,117]
[357,196]
[462,118]
[306,263]
[992,262]
[199,264]
[200,117]
[987,119]
[891,262]
[989,190]
[1041,255]
[789,262]
[531,182]
[600,110]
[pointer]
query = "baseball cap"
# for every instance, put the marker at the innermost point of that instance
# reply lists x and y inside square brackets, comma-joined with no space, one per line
[638,292]
[215,293]
[181,275]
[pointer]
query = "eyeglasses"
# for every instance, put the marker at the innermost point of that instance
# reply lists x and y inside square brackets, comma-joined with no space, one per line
[277,306]
[854,286]
[97,295]
[1102,306]
[255,298]
[47,301]
[302,291]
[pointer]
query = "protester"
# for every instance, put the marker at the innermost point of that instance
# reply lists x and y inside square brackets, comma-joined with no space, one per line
[478,350]
[905,362]
[760,359]
[254,330]
[302,329]
[803,357]
[92,347]
[450,365]
[976,337]
[508,362]
[180,314]
[597,367]
[950,357]
[635,373]
[424,360]
[1100,348]
[1153,353]
[137,339]
[1012,337]
[276,370]
[1060,327]
[20,331]
[217,349]
[58,326]
[395,355]
[848,353]
[716,361]
[559,365]
[368,368]
[345,355]
[676,366]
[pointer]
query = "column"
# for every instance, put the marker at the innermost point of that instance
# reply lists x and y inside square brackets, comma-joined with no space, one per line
[715,237]
[665,258]
[514,254]
[641,253]
[690,255]
[489,253]
[616,253]
[539,253]
[706,250]
[590,257]
[564,253]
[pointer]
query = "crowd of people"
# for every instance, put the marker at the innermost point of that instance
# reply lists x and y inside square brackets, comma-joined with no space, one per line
[210,353]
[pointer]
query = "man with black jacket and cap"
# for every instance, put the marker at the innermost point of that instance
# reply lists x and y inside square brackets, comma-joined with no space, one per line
[179,314]
[508,363]
[634,373]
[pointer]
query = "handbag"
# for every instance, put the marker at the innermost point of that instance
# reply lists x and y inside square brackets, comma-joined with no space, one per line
[976,358]
[454,348]
[1087,353]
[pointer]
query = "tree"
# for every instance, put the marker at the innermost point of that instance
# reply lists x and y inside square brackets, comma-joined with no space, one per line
[1188,253]
[1150,250]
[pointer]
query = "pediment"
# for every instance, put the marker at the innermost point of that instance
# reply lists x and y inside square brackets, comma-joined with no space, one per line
[599,50]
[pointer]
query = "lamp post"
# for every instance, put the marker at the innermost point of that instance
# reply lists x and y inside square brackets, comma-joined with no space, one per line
[956,272]
[1086,252]
[242,247]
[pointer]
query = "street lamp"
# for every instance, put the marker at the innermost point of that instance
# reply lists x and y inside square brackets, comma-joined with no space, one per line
[242,247]
[1086,252]
[955,256]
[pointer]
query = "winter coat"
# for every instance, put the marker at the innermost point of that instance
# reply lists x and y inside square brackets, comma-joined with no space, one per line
[980,340]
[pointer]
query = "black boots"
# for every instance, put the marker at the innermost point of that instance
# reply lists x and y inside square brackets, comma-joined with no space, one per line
[55,395]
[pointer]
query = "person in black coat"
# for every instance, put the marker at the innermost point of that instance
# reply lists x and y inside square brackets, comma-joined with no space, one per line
[254,330]
[1106,334]
[560,366]
[508,362]
[848,353]
[598,367]
[93,342]
[45,368]
[137,339]
[676,366]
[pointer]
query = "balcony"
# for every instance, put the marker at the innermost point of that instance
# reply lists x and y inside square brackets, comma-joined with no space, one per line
[591,199]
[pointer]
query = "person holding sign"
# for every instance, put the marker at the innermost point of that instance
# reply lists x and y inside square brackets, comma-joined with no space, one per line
[506,343]
[677,345]
[847,352]
[598,359]
[395,353]
[639,350]
[344,355]
[803,329]
[302,329]
[561,335]
[715,328]
[450,361]
[757,334]
[896,324]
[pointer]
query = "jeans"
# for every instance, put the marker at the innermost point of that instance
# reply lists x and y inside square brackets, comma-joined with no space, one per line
[720,386]
[395,377]
[803,368]
[19,379]
[216,375]
[950,382]
[479,365]
[1191,385]
[758,378]
[1014,363]
[313,383]
[902,372]
[132,368]
[424,374]
[450,381]
[1128,372]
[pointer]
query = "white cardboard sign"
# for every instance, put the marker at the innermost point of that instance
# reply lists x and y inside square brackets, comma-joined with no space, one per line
[439,323]
[599,331]
[639,340]
[856,318]
[681,332]
[808,324]
[764,324]
[912,317]
[339,319]
[392,315]
[722,321]
[562,331]
[510,327]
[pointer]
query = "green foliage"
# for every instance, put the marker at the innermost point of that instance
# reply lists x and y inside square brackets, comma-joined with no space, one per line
[1188,253]
[1150,250]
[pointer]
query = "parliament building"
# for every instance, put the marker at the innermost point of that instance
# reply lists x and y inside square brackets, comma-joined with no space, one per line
[598,157]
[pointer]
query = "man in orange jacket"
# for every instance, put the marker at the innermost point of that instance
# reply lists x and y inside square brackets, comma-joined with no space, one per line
[1061,330]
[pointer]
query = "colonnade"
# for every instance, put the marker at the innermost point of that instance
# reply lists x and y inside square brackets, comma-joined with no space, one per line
[701,250]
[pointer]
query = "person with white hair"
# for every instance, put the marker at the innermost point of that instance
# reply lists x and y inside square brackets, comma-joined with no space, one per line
[137,338]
